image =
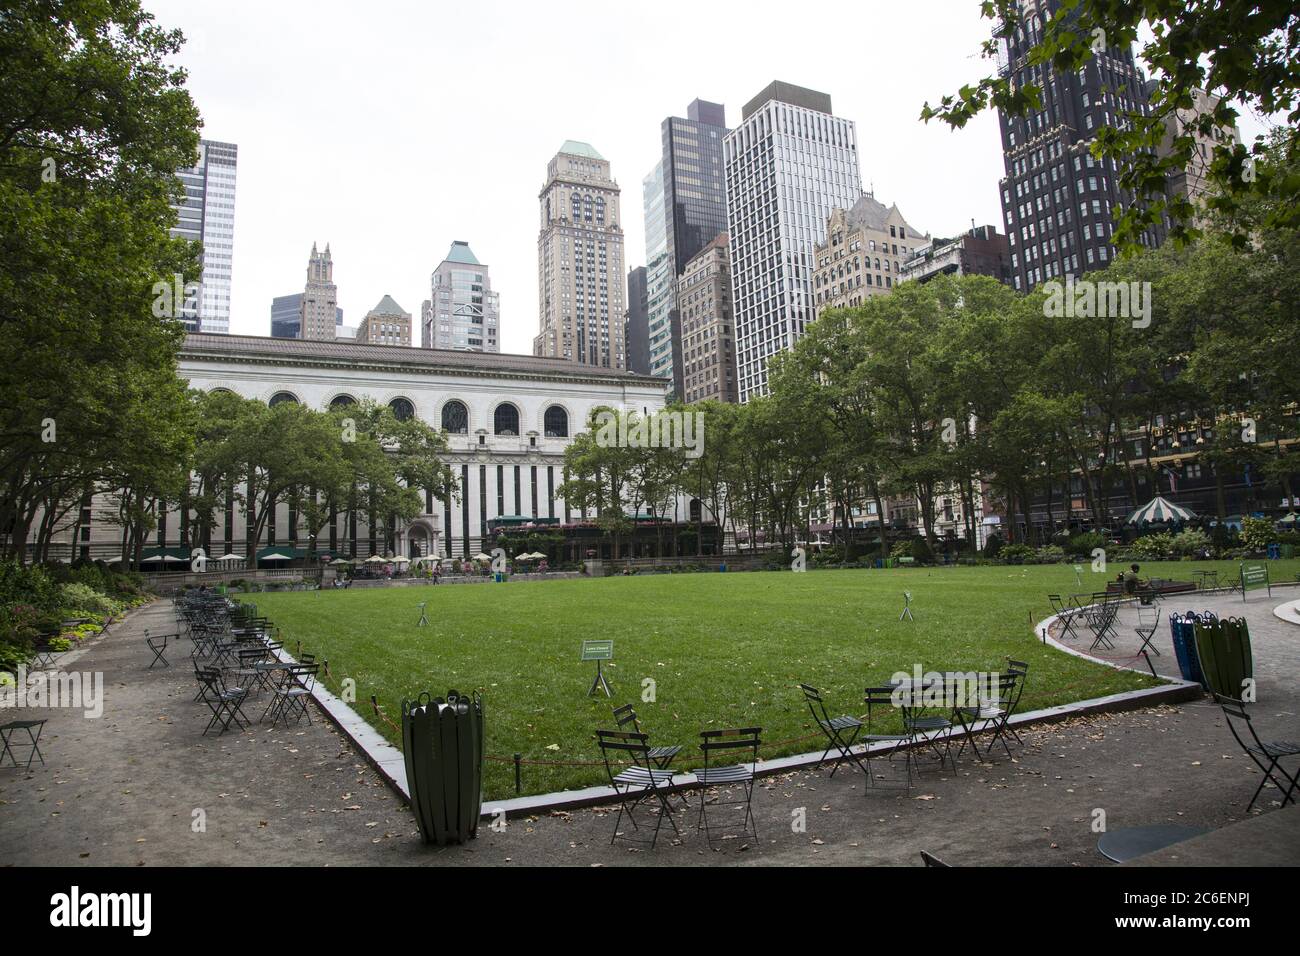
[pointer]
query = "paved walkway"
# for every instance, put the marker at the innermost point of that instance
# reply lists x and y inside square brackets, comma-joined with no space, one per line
[124,789]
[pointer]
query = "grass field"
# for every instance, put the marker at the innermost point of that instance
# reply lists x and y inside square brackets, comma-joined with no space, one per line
[721,649]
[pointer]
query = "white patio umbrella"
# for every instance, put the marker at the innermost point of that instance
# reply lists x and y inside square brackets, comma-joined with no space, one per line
[1160,509]
[275,557]
[482,557]
[340,562]
[376,559]
[401,560]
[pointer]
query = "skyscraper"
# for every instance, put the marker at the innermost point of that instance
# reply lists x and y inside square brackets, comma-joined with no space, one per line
[286,316]
[708,343]
[319,298]
[463,312]
[788,164]
[207,215]
[1056,198]
[684,199]
[637,322]
[580,261]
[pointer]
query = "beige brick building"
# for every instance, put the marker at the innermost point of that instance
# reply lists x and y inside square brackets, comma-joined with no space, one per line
[386,324]
[707,325]
[580,284]
[863,253]
[320,298]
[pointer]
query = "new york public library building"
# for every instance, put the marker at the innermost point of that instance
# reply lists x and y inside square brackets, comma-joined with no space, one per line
[507,418]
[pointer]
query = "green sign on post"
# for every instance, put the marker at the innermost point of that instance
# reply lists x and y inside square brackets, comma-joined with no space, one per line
[1254,576]
[598,651]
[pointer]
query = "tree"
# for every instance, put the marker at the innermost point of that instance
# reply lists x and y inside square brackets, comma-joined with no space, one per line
[94,124]
[1247,54]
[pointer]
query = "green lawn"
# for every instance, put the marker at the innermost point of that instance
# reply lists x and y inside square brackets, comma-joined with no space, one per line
[722,650]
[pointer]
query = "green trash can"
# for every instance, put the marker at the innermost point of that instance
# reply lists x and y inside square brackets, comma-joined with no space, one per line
[442,744]
[1224,649]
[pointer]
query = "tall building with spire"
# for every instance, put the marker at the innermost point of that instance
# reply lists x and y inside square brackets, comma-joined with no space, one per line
[580,277]
[462,311]
[319,298]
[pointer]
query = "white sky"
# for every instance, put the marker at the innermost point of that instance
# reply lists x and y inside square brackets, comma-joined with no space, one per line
[390,128]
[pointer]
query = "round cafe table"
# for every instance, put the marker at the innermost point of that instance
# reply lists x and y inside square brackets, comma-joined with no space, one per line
[1129,842]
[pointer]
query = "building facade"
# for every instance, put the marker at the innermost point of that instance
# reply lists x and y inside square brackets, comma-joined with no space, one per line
[1192,180]
[463,311]
[580,279]
[320,313]
[636,323]
[207,215]
[788,164]
[982,250]
[508,420]
[1056,197]
[685,207]
[386,324]
[286,316]
[708,341]
[862,253]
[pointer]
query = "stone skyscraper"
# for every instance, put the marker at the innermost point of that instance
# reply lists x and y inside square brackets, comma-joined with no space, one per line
[319,298]
[463,311]
[208,216]
[580,278]
[685,206]
[788,164]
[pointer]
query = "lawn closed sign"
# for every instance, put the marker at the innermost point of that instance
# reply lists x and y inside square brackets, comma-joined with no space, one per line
[597,650]
[1254,576]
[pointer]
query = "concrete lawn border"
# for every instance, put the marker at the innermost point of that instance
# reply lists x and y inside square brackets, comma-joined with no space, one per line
[388,762]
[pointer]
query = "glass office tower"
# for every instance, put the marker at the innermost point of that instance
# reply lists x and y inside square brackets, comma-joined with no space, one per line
[207,215]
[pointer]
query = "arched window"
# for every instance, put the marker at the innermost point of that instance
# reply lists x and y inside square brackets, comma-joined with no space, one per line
[342,401]
[506,420]
[696,509]
[402,409]
[557,422]
[455,418]
[279,397]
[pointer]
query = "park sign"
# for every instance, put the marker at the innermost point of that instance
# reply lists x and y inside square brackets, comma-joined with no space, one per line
[1254,575]
[598,651]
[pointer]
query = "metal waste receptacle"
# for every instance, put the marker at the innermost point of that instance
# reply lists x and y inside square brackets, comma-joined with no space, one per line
[1224,649]
[442,743]
[1182,628]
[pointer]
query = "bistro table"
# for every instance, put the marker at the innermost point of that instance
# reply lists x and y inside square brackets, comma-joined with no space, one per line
[1206,578]
[1129,842]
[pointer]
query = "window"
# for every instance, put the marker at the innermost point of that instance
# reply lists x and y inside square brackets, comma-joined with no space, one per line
[556,422]
[455,418]
[402,409]
[278,398]
[342,401]
[506,420]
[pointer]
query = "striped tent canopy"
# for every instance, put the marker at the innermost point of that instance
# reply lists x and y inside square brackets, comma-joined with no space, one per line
[1159,510]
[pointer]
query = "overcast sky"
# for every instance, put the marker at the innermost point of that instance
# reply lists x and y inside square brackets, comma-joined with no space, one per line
[388,128]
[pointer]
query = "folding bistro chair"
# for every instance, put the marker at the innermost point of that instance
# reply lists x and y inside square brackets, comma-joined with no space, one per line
[1101,621]
[1065,613]
[660,757]
[841,732]
[711,775]
[1148,621]
[224,702]
[158,645]
[1021,670]
[876,697]
[930,860]
[33,728]
[1234,711]
[924,730]
[993,713]
[289,698]
[637,783]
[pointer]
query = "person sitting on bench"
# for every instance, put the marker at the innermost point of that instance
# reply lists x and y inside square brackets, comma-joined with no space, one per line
[1131,579]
